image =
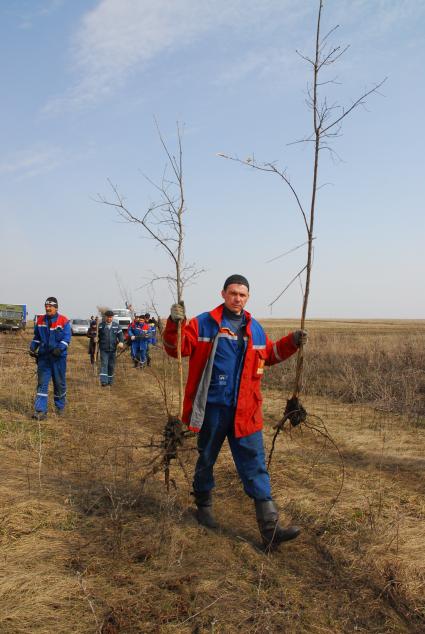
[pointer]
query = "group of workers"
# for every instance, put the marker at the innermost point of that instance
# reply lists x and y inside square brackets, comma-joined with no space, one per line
[228,351]
[52,336]
[141,334]
[108,336]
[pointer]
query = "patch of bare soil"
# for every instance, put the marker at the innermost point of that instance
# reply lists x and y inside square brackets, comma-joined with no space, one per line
[86,548]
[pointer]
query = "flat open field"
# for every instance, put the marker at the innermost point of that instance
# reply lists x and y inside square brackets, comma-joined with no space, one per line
[87,547]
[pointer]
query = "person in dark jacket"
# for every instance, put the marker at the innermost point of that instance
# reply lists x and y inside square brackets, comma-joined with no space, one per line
[49,346]
[110,336]
[92,335]
[227,352]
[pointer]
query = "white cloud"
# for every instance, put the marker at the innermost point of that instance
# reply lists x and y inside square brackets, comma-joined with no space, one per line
[119,36]
[32,162]
[270,62]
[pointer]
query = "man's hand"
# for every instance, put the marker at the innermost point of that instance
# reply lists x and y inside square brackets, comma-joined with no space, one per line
[120,344]
[300,337]
[132,337]
[177,312]
[56,352]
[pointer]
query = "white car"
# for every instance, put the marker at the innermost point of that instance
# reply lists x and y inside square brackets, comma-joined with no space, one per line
[80,326]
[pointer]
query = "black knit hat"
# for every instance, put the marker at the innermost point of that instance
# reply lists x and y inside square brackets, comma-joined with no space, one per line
[51,301]
[236,279]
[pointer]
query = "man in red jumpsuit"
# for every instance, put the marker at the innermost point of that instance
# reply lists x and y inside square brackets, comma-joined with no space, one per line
[227,352]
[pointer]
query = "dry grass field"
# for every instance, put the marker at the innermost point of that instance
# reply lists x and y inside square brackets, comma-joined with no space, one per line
[86,548]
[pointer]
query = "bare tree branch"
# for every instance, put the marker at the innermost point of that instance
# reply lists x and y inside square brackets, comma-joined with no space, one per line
[288,285]
[287,252]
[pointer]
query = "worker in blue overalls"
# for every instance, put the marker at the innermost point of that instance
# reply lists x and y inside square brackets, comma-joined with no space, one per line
[52,336]
[135,334]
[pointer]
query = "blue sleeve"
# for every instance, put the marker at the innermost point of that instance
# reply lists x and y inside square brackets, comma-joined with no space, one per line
[36,339]
[66,337]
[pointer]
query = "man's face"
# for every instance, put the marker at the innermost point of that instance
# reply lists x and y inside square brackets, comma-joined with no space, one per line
[51,310]
[235,297]
[109,319]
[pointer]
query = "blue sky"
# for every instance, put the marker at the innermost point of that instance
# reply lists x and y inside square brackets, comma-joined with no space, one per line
[82,82]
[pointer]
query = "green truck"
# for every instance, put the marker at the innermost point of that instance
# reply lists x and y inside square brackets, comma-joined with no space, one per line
[13,316]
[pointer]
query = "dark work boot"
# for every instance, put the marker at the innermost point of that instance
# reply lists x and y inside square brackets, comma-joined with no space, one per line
[204,514]
[268,522]
[39,416]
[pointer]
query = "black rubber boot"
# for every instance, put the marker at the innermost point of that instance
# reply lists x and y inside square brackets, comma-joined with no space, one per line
[39,416]
[268,522]
[204,514]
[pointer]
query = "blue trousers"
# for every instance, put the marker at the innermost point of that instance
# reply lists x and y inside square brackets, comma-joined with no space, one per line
[139,349]
[107,367]
[143,350]
[135,350]
[50,368]
[247,452]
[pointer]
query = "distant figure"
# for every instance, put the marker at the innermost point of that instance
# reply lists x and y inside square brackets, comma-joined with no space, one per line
[139,335]
[110,336]
[134,333]
[92,334]
[150,321]
[227,352]
[52,336]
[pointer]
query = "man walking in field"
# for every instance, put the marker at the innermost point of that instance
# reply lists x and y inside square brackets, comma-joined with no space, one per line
[110,337]
[52,336]
[227,352]
[133,333]
[92,335]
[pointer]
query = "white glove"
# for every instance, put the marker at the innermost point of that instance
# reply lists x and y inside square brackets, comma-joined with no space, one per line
[300,337]
[120,344]
[177,312]
[132,337]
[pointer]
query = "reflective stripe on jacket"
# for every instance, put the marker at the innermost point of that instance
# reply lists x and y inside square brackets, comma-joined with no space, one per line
[199,342]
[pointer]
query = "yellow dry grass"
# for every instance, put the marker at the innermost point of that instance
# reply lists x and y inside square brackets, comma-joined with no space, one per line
[86,548]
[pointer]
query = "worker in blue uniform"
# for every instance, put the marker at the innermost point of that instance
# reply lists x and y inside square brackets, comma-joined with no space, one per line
[134,333]
[151,338]
[110,337]
[52,336]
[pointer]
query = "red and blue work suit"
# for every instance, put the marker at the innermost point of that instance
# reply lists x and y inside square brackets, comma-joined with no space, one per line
[227,355]
[152,333]
[139,345]
[52,336]
[151,339]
